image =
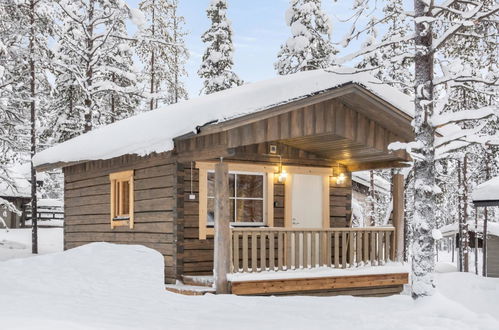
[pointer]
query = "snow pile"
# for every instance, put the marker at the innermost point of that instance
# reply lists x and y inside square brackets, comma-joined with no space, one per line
[105,286]
[155,130]
[487,191]
[16,243]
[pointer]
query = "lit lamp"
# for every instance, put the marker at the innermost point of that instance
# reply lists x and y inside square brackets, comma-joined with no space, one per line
[340,176]
[281,174]
[340,179]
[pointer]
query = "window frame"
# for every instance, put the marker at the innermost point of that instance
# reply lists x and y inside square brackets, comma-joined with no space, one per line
[115,179]
[235,198]
[268,201]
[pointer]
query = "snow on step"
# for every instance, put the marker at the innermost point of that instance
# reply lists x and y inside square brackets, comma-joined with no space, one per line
[206,281]
[189,290]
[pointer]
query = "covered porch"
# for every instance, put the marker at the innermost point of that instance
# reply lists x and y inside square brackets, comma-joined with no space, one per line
[305,152]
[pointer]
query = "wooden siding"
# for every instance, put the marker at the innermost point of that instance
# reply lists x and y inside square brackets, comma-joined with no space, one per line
[493,256]
[340,202]
[329,130]
[87,205]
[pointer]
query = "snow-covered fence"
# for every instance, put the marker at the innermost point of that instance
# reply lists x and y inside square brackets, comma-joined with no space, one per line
[280,249]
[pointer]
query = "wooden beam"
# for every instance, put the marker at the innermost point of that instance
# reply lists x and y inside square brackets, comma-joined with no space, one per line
[376,165]
[302,285]
[222,228]
[398,216]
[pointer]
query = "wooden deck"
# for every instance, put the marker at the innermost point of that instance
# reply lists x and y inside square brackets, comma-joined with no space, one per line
[357,285]
[375,285]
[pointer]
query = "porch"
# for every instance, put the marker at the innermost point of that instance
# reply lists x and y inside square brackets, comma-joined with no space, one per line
[271,192]
[289,261]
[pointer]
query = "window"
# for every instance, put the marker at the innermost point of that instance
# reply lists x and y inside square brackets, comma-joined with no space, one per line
[246,195]
[122,199]
[251,195]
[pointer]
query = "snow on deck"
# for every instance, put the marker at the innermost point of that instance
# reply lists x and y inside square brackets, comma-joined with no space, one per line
[106,286]
[389,268]
[155,130]
[487,191]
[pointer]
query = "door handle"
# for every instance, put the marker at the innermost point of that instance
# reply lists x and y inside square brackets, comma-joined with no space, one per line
[295,222]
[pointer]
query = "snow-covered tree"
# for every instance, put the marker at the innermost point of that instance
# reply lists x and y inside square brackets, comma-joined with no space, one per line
[310,46]
[161,47]
[436,25]
[92,43]
[216,68]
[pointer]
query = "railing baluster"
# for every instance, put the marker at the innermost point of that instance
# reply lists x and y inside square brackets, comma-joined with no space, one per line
[271,252]
[344,249]
[323,249]
[263,250]
[254,251]
[380,247]
[235,254]
[373,247]
[245,252]
[313,255]
[289,251]
[351,249]
[387,246]
[358,248]
[297,250]
[366,247]
[306,252]
[280,251]
[337,250]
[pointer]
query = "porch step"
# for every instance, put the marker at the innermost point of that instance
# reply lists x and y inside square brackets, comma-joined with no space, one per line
[203,281]
[189,290]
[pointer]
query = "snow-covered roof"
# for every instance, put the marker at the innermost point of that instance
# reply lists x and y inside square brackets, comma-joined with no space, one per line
[364,178]
[487,191]
[155,130]
[453,228]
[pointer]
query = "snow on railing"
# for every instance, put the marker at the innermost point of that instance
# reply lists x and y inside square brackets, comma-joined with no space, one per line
[280,249]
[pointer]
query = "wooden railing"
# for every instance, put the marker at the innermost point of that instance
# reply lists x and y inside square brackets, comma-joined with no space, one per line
[280,249]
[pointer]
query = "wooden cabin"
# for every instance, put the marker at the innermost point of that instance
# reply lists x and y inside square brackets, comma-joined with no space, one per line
[486,195]
[263,170]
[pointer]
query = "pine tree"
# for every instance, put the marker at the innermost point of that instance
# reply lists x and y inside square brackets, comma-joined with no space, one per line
[90,36]
[216,68]
[435,27]
[162,49]
[310,46]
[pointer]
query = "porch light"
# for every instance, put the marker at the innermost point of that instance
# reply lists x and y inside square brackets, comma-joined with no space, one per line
[341,178]
[281,176]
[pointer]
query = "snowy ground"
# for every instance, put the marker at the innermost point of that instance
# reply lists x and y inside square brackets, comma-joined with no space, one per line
[16,243]
[105,286]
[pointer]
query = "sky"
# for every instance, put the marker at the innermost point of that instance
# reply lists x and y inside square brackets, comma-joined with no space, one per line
[259,30]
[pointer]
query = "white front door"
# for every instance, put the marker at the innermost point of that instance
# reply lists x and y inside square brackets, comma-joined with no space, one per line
[306,201]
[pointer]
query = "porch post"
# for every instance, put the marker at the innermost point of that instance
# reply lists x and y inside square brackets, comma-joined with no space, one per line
[222,227]
[398,215]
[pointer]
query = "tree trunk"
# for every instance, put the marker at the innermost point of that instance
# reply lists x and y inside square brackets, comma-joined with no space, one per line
[151,106]
[466,234]
[423,244]
[89,72]
[34,213]
[460,219]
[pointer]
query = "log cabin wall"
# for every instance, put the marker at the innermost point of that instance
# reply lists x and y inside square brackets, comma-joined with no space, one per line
[195,256]
[340,202]
[87,205]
